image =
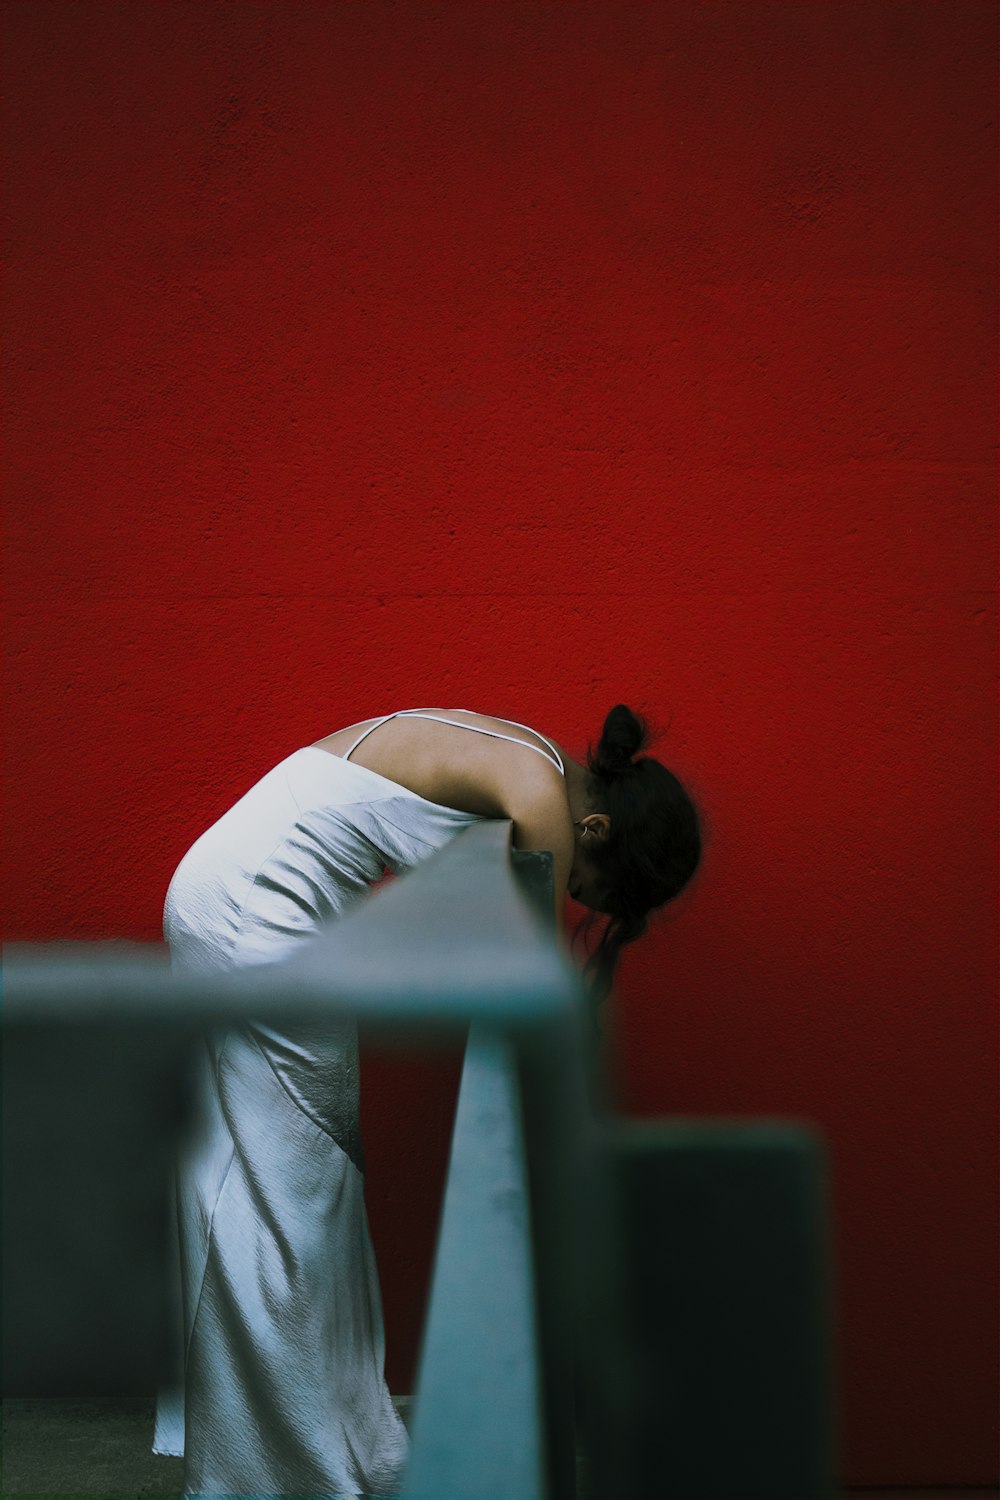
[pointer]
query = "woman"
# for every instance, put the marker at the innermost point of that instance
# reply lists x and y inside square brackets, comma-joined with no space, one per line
[282,1389]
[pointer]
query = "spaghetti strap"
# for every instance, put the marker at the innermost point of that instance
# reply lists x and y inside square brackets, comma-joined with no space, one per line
[366,732]
[558,758]
[555,759]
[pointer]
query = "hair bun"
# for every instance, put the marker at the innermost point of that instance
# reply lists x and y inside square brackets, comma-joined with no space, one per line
[623,736]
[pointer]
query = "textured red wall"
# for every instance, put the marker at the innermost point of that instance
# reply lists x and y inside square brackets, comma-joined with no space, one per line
[533,357]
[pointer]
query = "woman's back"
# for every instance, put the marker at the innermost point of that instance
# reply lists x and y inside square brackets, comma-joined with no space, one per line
[432,753]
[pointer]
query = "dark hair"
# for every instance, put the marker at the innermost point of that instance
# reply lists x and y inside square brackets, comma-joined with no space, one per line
[654,844]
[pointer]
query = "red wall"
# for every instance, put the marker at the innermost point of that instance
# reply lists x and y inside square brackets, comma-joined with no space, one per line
[529,358]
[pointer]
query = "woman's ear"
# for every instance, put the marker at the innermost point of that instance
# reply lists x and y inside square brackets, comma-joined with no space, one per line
[596,827]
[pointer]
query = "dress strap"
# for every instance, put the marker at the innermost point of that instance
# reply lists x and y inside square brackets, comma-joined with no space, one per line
[366,732]
[554,759]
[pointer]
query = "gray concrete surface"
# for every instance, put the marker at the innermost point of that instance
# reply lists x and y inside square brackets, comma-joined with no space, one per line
[100,1447]
[89,1446]
[93,1446]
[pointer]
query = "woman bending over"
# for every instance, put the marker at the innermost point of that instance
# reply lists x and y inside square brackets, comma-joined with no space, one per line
[282,1388]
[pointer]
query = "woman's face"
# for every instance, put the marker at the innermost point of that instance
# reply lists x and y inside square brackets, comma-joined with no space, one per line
[587,884]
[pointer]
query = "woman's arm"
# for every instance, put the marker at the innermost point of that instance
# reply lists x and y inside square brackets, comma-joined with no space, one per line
[544,822]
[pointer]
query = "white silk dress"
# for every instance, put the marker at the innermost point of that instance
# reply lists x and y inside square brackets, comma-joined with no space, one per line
[282,1390]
